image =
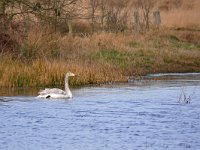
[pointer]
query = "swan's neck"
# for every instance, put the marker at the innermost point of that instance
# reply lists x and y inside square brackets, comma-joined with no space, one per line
[67,90]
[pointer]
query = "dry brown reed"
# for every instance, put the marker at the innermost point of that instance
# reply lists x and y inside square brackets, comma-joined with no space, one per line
[181,19]
[100,58]
[51,73]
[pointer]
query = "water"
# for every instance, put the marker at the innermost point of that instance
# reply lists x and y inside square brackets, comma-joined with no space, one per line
[123,117]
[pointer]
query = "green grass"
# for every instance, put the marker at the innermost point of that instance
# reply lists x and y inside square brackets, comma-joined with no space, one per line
[134,44]
[175,43]
[113,57]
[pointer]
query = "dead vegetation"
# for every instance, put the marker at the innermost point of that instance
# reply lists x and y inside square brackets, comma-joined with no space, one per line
[102,48]
[42,60]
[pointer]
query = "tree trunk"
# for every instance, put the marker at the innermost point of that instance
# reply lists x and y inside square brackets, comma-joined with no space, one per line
[93,11]
[102,14]
[2,7]
[3,18]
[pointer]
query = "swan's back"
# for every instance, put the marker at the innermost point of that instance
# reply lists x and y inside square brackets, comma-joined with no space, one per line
[51,91]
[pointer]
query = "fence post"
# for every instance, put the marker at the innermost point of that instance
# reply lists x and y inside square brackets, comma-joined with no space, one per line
[136,21]
[157,20]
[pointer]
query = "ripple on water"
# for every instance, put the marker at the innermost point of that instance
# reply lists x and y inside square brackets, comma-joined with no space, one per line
[118,117]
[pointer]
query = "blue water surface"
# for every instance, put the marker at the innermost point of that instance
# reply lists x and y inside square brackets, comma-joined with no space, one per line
[148,116]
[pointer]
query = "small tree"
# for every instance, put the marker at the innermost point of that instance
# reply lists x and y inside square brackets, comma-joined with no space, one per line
[93,7]
[103,4]
[146,7]
[117,15]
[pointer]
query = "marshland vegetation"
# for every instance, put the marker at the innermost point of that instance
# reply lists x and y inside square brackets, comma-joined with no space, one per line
[39,54]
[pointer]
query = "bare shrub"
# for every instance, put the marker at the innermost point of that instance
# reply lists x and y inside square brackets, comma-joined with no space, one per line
[145,7]
[184,97]
[8,45]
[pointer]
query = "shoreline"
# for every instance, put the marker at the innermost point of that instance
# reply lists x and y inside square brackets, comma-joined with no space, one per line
[143,80]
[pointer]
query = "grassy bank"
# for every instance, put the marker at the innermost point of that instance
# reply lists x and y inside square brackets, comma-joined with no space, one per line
[42,60]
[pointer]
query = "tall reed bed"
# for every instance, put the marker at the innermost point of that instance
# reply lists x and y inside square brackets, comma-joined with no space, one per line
[43,60]
[14,73]
[181,19]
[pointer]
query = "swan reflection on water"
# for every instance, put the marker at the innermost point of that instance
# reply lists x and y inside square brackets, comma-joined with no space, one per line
[58,93]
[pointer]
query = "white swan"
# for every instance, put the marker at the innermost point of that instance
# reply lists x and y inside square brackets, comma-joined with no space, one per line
[57,93]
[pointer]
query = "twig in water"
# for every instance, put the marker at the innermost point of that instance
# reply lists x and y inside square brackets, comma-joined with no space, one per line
[183,97]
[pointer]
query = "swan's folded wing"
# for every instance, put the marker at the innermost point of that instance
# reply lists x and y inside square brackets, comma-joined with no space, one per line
[51,91]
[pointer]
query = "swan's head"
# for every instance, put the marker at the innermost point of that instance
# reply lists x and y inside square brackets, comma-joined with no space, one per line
[69,74]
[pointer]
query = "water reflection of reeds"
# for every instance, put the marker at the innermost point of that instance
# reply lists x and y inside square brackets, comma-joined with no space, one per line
[18,91]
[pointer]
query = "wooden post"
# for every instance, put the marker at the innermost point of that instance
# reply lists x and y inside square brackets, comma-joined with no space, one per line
[69,24]
[157,20]
[136,21]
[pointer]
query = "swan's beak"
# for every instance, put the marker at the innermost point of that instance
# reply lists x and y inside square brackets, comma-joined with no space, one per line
[73,75]
[70,74]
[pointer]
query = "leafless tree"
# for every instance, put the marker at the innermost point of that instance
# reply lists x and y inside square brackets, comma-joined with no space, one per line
[93,4]
[116,15]
[48,11]
[146,7]
[103,4]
